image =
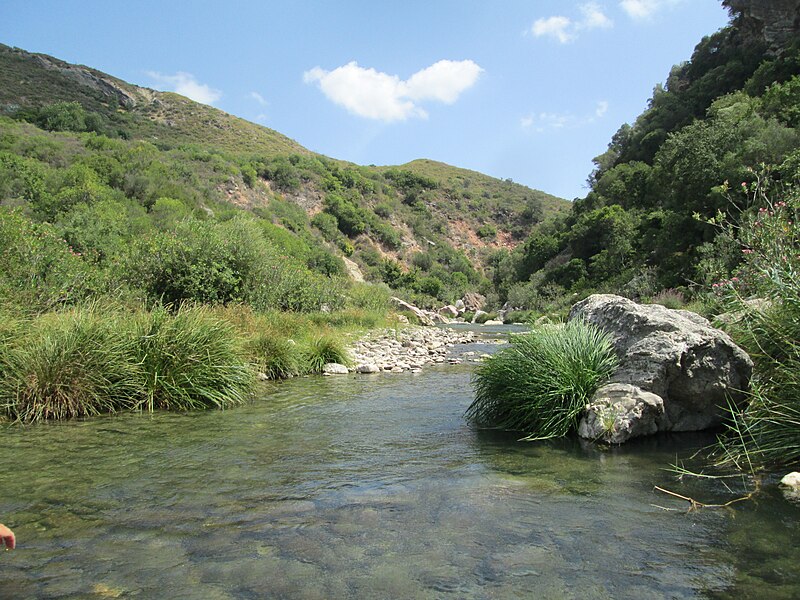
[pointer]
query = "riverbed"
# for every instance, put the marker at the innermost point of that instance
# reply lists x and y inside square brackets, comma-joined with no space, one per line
[372,486]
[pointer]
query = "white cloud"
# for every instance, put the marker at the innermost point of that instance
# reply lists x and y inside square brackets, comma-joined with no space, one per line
[641,10]
[557,27]
[566,30]
[550,121]
[186,85]
[594,17]
[375,95]
[258,98]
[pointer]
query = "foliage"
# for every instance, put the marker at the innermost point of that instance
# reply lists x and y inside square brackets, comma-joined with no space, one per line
[189,359]
[541,382]
[71,364]
[274,356]
[323,349]
[767,430]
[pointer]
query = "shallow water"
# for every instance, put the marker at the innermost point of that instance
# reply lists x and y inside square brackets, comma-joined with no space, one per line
[371,487]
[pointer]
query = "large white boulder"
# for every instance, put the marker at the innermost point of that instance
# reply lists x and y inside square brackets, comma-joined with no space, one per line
[675,354]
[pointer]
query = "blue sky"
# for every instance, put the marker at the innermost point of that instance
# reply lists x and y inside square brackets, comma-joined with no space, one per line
[530,90]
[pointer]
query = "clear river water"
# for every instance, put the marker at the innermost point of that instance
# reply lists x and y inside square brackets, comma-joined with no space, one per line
[372,487]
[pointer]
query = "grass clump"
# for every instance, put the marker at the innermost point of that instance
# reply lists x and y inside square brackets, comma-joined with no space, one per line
[72,364]
[324,349]
[541,382]
[274,356]
[190,360]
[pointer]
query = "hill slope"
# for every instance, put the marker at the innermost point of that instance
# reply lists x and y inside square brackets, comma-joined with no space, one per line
[420,221]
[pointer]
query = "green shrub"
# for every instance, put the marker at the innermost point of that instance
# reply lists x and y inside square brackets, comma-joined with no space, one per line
[189,360]
[669,298]
[370,296]
[274,355]
[72,364]
[541,382]
[322,350]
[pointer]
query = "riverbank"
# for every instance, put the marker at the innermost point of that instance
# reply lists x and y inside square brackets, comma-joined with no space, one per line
[407,349]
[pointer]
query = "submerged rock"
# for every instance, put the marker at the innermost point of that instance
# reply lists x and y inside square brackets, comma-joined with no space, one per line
[676,355]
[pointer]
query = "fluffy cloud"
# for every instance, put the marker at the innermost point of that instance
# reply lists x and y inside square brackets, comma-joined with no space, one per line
[187,85]
[557,27]
[565,29]
[375,95]
[644,9]
[602,108]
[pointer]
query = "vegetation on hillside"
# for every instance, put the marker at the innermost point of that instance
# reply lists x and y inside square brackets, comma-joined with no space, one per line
[720,118]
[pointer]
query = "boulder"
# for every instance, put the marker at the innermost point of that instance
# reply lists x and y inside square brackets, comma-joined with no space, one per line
[449,311]
[460,307]
[334,369]
[493,322]
[473,301]
[620,411]
[791,480]
[368,368]
[422,315]
[676,355]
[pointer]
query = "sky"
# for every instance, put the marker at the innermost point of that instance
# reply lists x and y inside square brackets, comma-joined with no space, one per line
[530,90]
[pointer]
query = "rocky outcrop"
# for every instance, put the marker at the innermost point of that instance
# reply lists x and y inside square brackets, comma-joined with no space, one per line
[424,317]
[676,355]
[473,301]
[776,22]
[353,270]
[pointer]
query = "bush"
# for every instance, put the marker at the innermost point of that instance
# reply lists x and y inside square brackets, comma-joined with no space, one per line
[189,360]
[669,298]
[767,431]
[322,350]
[274,355]
[541,383]
[72,364]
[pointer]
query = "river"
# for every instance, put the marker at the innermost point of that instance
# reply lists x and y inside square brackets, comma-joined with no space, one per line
[371,487]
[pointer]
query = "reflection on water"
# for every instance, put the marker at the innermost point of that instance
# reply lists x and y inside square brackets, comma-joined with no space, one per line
[369,487]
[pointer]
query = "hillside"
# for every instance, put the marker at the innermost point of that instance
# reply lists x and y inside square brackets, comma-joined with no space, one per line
[425,228]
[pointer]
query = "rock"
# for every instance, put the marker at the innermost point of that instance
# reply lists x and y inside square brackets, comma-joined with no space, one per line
[449,311]
[263,377]
[473,301]
[674,354]
[423,316]
[402,319]
[791,480]
[620,411]
[368,368]
[493,322]
[460,306]
[775,22]
[334,369]
[353,270]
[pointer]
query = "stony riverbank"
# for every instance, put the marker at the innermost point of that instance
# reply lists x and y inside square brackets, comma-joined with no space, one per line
[399,350]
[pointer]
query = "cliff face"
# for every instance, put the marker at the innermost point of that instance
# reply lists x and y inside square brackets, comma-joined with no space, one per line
[777,22]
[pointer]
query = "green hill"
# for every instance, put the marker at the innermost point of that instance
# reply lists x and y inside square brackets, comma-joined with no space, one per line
[425,228]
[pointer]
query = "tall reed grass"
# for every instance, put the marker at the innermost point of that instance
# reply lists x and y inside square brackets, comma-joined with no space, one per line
[189,360]
[71,364]
[541,382]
